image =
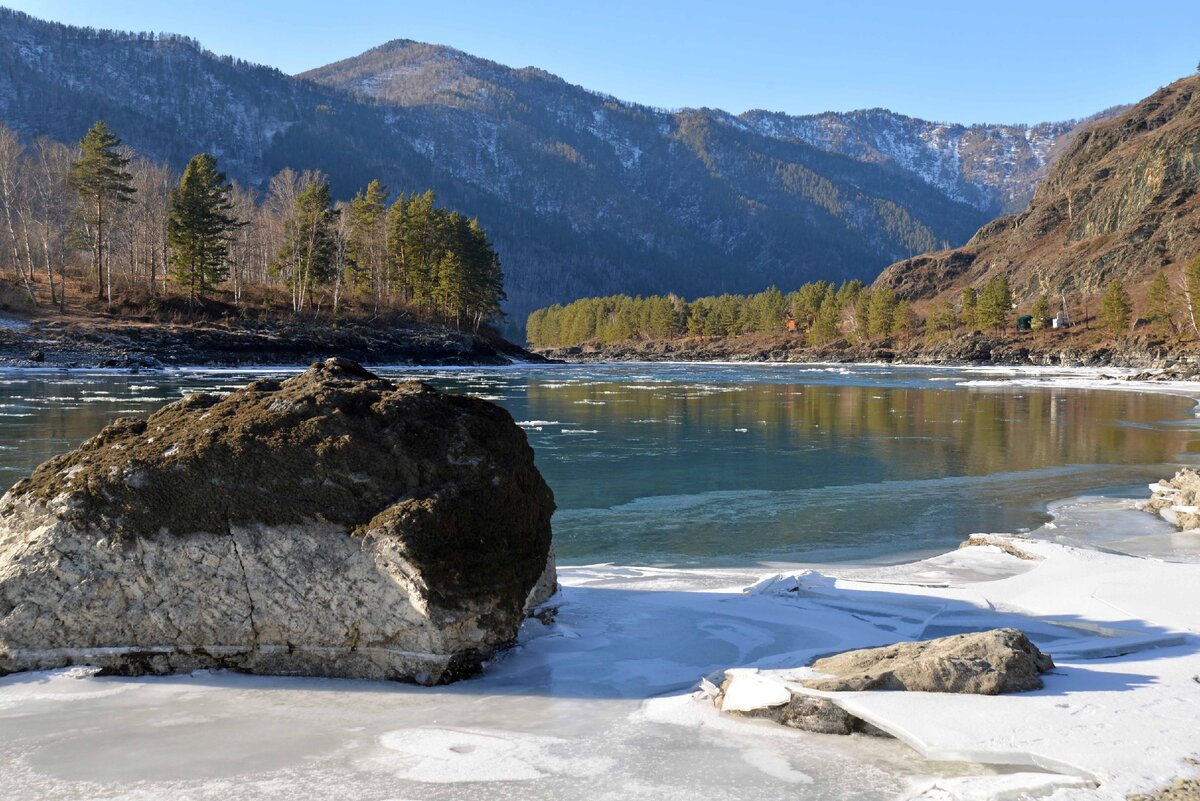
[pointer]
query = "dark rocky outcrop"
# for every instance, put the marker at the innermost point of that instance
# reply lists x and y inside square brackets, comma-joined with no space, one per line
[331,524]
[153,345]
[794,708]
[1119,204]
[822,716]
[983,663]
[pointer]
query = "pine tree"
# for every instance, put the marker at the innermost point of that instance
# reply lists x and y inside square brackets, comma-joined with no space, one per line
[995,303]
[449,286]
[880,313]
[825,325]
[942,318]
[904,320]
[102,183]
[420,239]
[1162,305]
[1040,312]
[483,288]
[366,244]
[1191,293]
[1116,308]
[199,225]
[968,313]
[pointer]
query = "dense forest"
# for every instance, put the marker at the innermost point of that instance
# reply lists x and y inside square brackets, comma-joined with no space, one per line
[823,312]
[112,223]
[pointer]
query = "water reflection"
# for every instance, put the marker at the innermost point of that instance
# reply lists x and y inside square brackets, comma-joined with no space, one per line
[708,465]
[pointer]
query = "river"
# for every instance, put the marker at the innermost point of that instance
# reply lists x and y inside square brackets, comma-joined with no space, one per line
[676,485]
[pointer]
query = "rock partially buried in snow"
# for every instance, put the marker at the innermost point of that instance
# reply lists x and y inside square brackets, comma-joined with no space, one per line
[1177,500]
[334,524]
[983,663]
[747,693]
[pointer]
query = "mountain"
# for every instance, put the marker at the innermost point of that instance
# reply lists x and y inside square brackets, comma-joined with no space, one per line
[583,194]
[992,167]
[169,99]
[1120,203]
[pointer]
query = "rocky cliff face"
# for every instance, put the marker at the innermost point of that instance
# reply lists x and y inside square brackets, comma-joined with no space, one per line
[992,167]
[1120,204]
[332,524]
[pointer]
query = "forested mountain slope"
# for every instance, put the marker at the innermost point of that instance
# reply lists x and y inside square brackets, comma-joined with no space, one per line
[582,193]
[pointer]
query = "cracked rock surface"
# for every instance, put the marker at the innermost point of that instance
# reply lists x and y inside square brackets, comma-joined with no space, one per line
[333,524]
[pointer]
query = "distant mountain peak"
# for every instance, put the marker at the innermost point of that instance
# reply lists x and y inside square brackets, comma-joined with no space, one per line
[583,193]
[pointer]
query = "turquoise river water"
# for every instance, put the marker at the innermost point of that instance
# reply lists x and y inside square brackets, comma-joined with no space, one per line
[712,465]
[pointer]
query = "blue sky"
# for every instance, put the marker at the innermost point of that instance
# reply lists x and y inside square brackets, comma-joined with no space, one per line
[963,61]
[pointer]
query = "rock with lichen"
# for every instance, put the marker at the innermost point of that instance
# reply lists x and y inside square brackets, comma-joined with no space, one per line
[333,524]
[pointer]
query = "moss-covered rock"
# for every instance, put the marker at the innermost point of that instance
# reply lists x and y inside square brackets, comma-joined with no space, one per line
[331,524]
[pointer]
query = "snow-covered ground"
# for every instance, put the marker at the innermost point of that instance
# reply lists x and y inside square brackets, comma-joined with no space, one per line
[1121,713]
[603,702]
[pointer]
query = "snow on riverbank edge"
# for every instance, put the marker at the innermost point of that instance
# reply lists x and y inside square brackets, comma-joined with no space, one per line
[1119,717]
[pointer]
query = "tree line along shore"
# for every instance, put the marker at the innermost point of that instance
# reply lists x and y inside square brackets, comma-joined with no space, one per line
[823,313]
[95,226]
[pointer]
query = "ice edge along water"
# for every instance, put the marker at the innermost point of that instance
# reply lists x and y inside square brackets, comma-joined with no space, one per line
[1120,710]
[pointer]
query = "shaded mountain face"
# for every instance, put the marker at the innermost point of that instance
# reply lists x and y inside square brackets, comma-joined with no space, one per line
[1121,203]
[582,194]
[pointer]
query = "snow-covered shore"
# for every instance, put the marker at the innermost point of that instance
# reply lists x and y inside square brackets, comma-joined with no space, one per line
[1121,713]
[610,686]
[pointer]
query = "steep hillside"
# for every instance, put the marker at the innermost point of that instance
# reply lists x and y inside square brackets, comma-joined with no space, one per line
[1121,203]
[992,167]
[584,194]
[169,99]
[713,204]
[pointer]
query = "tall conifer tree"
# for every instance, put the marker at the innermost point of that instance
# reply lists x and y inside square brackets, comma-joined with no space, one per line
[103,183]
[366,245]
[995,303]
[199,225]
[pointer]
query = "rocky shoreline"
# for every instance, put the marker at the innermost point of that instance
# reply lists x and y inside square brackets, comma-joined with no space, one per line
[149,346]
[1167,363]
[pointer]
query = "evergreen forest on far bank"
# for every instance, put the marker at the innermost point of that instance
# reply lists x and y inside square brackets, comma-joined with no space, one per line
[823,313]
[96,226]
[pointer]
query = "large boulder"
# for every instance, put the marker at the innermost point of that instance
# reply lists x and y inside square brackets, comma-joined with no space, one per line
[333,524]
[983,663]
